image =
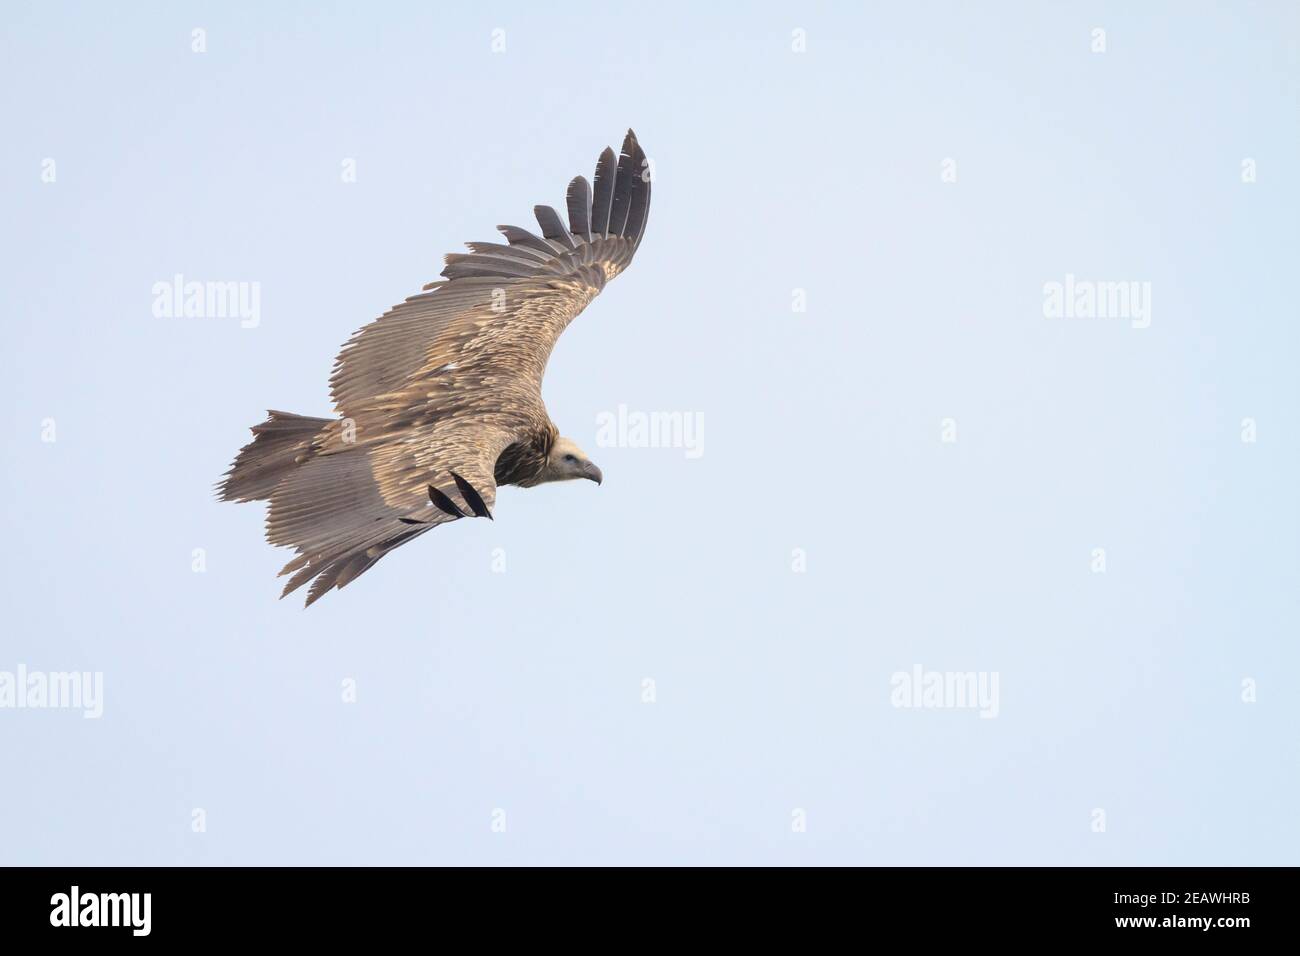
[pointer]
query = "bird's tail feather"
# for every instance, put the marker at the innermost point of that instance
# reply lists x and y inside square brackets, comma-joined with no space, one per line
[279,444]
[327,507]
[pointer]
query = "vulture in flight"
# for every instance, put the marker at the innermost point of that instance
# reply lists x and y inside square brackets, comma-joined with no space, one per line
[439,400]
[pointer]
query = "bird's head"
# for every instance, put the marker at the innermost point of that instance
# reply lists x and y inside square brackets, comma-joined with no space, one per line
[567,461]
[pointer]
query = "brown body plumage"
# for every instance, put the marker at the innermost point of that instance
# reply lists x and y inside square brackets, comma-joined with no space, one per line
[440,399]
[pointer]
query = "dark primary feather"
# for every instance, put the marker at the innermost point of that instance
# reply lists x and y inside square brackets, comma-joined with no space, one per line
[628,186]
[578,199]
[553,226]
[622,193]
[517,236]
[604,192]
[639,209]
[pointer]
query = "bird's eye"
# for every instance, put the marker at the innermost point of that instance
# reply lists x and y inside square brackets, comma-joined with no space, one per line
[570,458]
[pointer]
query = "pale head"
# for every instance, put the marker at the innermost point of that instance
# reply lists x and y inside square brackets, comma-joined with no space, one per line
[567,461]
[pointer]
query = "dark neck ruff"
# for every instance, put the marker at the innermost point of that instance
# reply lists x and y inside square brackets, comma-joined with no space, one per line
[523,462]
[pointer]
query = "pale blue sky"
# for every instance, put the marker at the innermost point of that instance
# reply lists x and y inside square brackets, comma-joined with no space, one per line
[775,171]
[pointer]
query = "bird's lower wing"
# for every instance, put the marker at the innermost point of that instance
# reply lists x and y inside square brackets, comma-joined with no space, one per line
[345,509]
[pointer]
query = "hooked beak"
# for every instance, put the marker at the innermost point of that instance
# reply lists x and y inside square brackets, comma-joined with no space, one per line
[592,472]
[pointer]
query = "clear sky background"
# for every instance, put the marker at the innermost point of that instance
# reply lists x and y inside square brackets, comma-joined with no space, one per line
[776,171]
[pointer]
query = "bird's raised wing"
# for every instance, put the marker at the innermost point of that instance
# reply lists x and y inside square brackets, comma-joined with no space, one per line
[487,330]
